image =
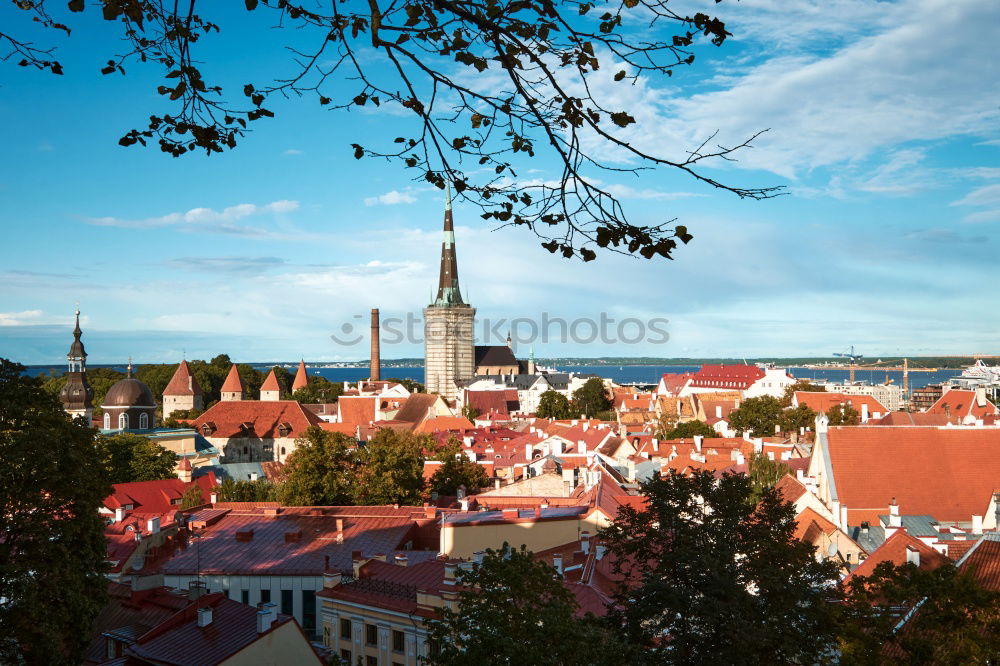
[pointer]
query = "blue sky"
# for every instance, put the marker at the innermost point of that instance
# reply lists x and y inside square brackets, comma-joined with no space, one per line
[883,125]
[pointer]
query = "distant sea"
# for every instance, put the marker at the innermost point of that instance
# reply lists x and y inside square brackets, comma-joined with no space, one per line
[642,374]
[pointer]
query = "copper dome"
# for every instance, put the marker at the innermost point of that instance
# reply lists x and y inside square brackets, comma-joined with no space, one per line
[129,392]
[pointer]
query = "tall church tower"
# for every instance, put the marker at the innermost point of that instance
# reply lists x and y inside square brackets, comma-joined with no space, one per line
[449,346]
[76,395]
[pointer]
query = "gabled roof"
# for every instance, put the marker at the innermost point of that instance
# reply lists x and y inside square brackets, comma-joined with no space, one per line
[961,404]
[357,409]
[444,424]
[233,383]
[674,382]
[270,382]
[894,550]
[913,419]
[301,377]
[984,559]
[136,611]
[414,410]
[824,401]
[947,473]
[809,525]
[495,355]
[263,416]
[183,382]
[739,377]
[790,488]
[154,496]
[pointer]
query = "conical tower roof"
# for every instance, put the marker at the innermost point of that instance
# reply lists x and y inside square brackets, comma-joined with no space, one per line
[301,377]
[448,290]
[233,383]
[183,382]
[270,382]
[76,349]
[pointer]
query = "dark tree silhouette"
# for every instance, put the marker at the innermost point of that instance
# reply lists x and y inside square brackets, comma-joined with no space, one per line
[487,84]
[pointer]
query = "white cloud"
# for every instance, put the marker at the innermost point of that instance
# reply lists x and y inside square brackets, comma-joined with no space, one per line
[209,220]
[983,196]
[391,198]
[25,318]
[293,151]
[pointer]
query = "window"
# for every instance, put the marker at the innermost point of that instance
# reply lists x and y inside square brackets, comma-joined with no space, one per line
[245,597]
[345,629]
[326,635]
[143,421]
[287,601]
[282,452]
[371,661]
[309,612]
[265,596]
[123,421]
[107,421]
[398,641]
[346,655]
[371,634]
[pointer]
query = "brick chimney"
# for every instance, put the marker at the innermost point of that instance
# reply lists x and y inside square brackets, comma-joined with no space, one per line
[376,363]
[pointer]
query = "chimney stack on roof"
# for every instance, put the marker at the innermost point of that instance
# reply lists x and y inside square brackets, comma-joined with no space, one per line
[977,524]
[204,616]
[401,560]
[265,616]
[557,563]
[912,556]
[585,542]
[600,551]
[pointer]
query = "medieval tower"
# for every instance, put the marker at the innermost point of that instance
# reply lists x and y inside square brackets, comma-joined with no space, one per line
[76,395]
[449,347]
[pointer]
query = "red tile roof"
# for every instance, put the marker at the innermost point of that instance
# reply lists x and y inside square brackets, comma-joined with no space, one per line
[823,401]
[674,382]
[809,525]
[962,404]
[913,419]
[739,377]
[225,419]
[894,550]
[301,377]
[233,383]
[270,382]
[183,382]
[444,424]
[155,497]
[391,586]
[357,410]
[139,610]
[947,473]
[984,559]
[790,488]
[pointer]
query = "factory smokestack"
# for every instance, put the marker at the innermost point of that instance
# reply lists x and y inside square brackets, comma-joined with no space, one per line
[376,361]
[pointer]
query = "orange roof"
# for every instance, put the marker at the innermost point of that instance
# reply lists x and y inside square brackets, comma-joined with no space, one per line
[357,409]
[790,488]
[947,473]
[823,401]
[301,377]
[809,525]
[233,383]
[913,419]
[961,404]
[183,382]
[894,550]
[270,382]
[984,559]
[442,423]
[259,418]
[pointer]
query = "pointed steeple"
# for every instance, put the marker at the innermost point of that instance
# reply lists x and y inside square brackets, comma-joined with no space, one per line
[76,394]
[448,291]
[183,382]
[301,377]
[77,355]
[232,388]
[270,389]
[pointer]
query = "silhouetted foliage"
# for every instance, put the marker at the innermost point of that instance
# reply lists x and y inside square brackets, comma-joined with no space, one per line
[130,457]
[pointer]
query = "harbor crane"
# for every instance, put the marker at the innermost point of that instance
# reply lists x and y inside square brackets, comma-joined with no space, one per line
[853,356]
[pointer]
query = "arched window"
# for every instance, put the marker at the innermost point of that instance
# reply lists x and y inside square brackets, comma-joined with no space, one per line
[282,452]
[123,421]
[107,421]
[143,421]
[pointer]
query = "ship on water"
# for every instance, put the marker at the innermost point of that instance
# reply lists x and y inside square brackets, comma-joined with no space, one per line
[981,372]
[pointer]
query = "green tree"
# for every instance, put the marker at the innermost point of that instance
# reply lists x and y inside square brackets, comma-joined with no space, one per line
[391,469]
[470,412]
[513,609]
[322,471]
[456,470]
[130,457]
[260,490]
[554,405]
[843,415]
[519,101]
[52,548]
[950,618]
[192,497]
[764,473]
[800,385]
[718,578]
[319,390]
[592,399]
[758,416]
[689,429]
[792,419]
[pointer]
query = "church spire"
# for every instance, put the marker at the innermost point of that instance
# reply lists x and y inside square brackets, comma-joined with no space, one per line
[448,293]
[77,355]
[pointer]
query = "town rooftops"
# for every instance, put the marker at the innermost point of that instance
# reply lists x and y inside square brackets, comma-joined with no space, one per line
[824,401]
[899,549]
[255,418]
[948,473]
[961,404]
[512,515]
[154,497]
[739,377]
[913,419]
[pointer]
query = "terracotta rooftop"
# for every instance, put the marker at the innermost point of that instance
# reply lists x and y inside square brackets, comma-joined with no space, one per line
[259,418]
[270,382]
[156,497]
[913,419]
[824,401]
[984,559]
[894,549]
[233,383]
[962,404]
[183,382]
[301,377]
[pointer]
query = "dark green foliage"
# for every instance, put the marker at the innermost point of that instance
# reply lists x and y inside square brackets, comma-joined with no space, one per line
[554,405]
[456,470]
[957,620]
[792,419]
[322,471]
[800,385]
[52,547]
[260,490]
[319,390]
[763,474]
[192,497]
[130,457]
[719,578]
[689,429]
[592,398]
[513,609]
[843,415]
[757,416]
[470,412]
[391,468]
